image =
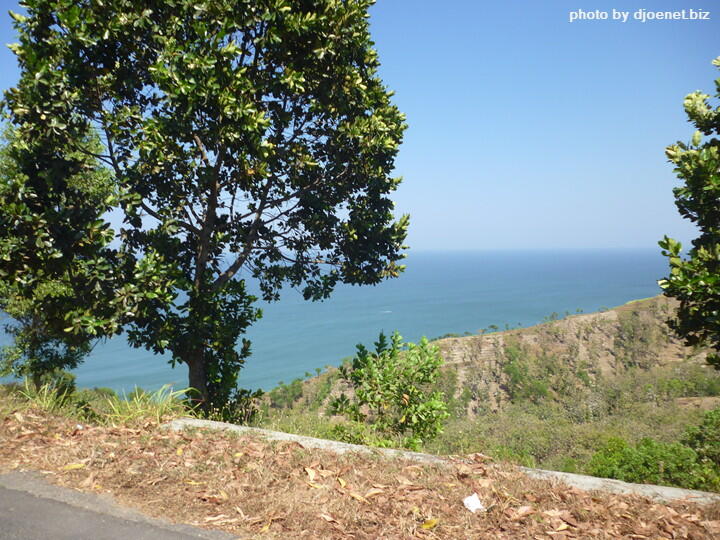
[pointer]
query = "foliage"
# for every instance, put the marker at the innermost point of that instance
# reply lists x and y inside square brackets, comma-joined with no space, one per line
[705,438]
[242,408]
[38,310]
[653,462]
[101,405]
[695,280]
[285,395]
[242,137]
[390,390]
[447,384]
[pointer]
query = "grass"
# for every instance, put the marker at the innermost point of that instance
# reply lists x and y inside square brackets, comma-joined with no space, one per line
[141,406]
[100,406]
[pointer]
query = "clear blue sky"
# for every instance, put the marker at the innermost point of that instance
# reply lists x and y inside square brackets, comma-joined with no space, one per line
[528,131]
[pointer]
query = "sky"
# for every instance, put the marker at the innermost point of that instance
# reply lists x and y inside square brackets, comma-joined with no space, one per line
[526,130]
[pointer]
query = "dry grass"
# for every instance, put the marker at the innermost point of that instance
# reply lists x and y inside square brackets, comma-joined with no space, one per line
[248,486]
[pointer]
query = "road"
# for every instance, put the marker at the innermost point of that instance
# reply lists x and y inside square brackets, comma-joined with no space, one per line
[32,509]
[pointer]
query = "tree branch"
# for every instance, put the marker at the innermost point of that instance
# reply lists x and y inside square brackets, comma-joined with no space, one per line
[210,214]
[249,242]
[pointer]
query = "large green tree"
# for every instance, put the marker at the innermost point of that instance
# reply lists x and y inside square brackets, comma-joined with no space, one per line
[245,138]
[695,279]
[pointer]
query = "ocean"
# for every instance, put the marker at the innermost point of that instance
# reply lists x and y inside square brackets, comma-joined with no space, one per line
[439,293]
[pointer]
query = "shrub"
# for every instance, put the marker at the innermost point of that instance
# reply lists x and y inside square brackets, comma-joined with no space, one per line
[654,462]
[285,395]
[705,438]
[242,407]
[359,433]
[391,390]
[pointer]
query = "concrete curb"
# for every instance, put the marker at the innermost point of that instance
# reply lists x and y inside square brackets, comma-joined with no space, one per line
[580,481]
[35,484]
[308,442]
[593,483]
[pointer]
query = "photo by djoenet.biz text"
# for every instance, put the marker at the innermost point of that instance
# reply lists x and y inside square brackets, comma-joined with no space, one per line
[641,15]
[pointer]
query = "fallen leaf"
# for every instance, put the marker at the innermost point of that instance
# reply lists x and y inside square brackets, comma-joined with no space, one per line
[311,473]
[372,492]
[215,518]
[357,497]
[88,482]
[314,485]
[485,483]
[342,482]
[553,513]
[480,458]
[328,518]
[73,467]
[179,452]
[430,523]
[569,519]
[522,512]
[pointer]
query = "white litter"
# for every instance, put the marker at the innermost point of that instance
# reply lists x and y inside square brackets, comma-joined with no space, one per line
[473,503]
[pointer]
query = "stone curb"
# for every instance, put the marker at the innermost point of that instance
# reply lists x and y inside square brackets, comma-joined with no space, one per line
[580,481]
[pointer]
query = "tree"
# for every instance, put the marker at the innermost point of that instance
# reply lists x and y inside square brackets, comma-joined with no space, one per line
[245,138]
[695,280]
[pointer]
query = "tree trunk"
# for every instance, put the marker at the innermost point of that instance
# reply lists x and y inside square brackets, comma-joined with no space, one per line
[198,379]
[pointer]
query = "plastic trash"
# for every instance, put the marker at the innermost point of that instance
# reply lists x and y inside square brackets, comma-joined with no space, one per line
[473,503]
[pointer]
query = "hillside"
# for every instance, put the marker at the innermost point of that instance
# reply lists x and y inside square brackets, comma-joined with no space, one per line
[550,395]
[575,351]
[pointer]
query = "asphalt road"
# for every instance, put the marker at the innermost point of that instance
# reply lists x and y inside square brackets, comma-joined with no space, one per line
[31,509]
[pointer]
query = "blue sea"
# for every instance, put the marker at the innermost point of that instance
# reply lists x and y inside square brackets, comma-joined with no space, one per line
[439,293]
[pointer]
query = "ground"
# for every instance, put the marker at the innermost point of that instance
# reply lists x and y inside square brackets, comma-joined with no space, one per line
[252,487]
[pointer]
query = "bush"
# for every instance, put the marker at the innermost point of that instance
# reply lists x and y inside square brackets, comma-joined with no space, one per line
[391,390]
[705,438]
[358,433]
[285,395]
[241,408]
[653,462]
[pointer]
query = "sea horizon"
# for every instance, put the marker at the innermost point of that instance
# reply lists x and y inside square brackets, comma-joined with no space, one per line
[441,292]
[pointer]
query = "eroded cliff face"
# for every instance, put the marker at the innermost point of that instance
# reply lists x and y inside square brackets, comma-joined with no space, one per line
[560,354]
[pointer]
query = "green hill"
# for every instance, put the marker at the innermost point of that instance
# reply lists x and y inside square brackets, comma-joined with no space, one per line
[550,395]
